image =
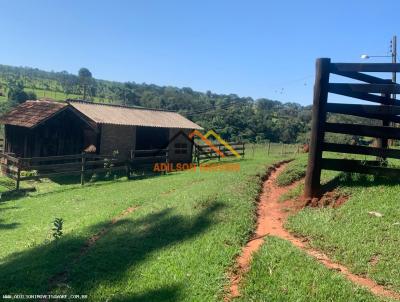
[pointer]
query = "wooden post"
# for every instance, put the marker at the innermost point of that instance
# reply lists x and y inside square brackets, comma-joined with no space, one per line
[219,153]
[18,180]
[282,148]
[243,150]
[128,169]
[83,168]
[383,142]
[253,149]
[313,175]
[269,148]
[166,160]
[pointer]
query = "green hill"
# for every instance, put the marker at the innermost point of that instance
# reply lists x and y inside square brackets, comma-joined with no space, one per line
[234,117]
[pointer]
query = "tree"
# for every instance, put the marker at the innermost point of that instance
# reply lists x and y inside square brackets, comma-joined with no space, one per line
[17,94]
[85,79]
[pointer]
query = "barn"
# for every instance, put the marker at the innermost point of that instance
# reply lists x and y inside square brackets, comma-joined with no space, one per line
[48,128]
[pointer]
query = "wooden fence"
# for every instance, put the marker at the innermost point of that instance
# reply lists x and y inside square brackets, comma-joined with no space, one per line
[206,153]
[374,89]
[21,169]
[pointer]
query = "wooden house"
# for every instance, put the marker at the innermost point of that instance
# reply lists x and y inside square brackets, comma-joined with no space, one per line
[48,128]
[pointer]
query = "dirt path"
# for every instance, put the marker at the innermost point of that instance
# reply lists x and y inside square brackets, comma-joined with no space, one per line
[271,216]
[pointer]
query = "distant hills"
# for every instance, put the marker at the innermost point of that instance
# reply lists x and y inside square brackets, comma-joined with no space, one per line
[233,117]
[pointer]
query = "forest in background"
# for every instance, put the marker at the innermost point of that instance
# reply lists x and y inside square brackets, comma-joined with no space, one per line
[234,118]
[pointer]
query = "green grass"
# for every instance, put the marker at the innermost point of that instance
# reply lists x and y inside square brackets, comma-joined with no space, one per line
[294,171]
[349,234]
[353,237]
[281,272]
[176,246]
[57,95]
[293,193]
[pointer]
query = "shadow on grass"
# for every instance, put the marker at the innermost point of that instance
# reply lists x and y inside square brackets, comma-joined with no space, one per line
[166,294]
[7,226]
[15,194]
[126,244]
[354,180]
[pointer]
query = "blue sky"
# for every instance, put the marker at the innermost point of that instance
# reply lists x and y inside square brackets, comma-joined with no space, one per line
[251,48]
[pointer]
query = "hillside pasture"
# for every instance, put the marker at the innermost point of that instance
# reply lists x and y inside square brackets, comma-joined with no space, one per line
[176,245]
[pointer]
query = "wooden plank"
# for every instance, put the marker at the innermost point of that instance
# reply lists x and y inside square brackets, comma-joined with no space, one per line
[361,77]
[313,175]
[365,67]
[137,159]
[52,158]
[367,111]
[359,166]
[365,150]
[9,157]
[366,88]
[47,175]
[363,130]
[52,166]
[346,91]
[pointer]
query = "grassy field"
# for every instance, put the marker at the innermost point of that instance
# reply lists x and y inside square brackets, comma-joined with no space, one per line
[177,245]
[367,244]
[183,236]
[281,272]
[350,234]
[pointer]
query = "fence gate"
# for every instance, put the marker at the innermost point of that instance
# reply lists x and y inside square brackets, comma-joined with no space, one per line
[375,90]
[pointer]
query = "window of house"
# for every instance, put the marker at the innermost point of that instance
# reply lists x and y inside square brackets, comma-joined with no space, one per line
[181,148]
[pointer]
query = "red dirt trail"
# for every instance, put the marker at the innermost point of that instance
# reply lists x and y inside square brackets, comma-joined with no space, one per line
[271,216]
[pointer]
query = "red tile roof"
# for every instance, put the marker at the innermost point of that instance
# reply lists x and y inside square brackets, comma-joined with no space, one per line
[32,113]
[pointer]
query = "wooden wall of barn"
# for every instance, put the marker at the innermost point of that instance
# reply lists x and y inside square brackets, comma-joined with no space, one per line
[63,134]
[180,149]
[117,137]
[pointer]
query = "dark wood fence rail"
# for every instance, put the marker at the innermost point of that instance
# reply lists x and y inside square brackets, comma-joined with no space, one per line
[21,169]
[387,112]
[83,164]
[206,153]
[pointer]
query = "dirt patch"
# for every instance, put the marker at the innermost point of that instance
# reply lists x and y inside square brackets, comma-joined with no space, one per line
[333,199]
[271,217]
[61,278]
[374,260]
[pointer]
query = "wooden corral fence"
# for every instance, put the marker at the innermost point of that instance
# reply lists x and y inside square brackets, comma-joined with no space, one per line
[375,90]
[282,149]
[83,164]
[206,153]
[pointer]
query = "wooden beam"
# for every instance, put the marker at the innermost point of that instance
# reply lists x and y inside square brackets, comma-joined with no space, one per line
[346,91]
[364,150]
[359,166]
[313,175]
[366,67]
[363,130]
[366,88]
[368,111]
[361,77]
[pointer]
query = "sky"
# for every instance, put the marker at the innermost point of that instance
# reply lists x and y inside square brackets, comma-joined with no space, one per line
[249,48]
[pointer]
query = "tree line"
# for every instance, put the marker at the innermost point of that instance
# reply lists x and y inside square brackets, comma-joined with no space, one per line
[234,118]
